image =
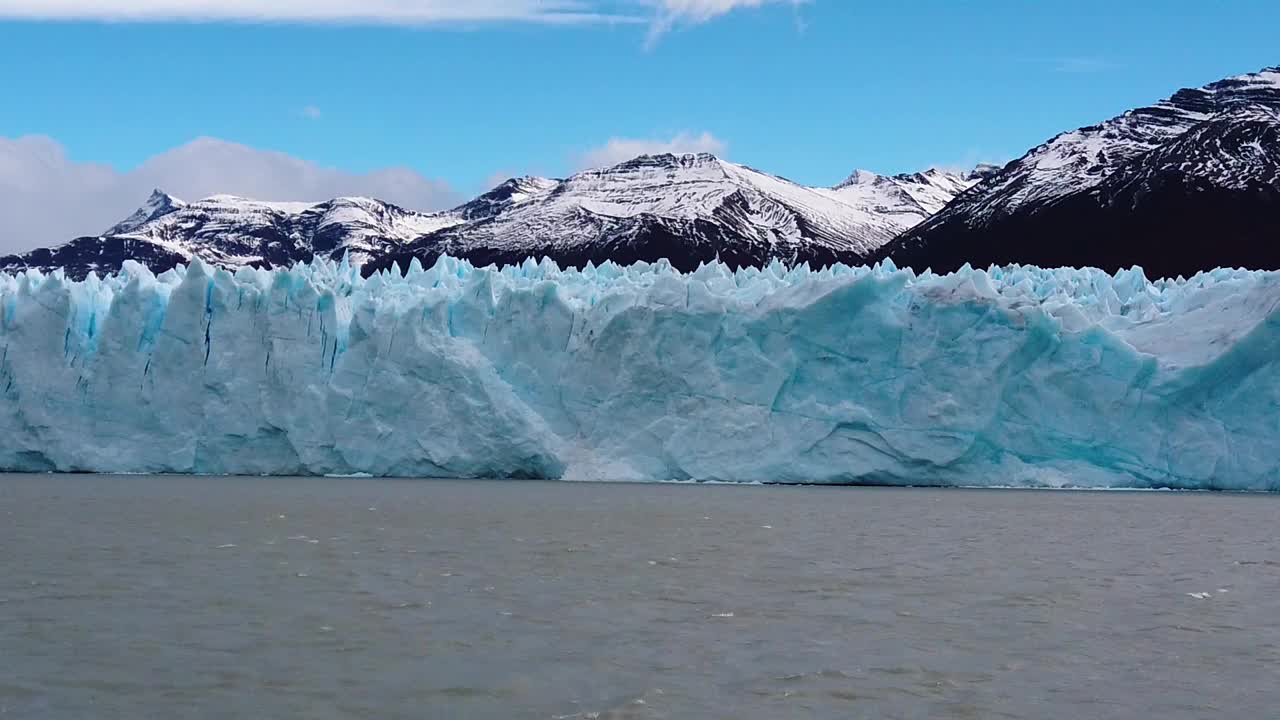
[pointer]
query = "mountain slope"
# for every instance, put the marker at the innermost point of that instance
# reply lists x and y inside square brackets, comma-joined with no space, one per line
[910,198]
[158,205]
[1185,185]
[230,232]
[686,208]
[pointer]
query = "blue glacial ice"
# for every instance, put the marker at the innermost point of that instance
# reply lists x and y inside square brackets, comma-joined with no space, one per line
[1007,376]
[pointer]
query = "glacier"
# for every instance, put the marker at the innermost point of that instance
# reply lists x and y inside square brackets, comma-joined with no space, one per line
[1008,376]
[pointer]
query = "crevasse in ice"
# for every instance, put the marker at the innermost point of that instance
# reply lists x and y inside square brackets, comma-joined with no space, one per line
[1006,376]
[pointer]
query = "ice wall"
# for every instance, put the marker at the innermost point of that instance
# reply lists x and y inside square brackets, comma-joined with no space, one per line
[1014,376]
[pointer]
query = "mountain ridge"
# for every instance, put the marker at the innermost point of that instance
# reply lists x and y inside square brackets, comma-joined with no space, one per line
[1184,185]
[689,207]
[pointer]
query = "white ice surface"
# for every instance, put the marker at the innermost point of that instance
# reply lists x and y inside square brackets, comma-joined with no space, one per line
[1015,376]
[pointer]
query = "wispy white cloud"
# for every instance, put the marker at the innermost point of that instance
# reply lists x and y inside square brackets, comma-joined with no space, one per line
[46,198]
[319,11]
[311,112]
[660,15]
[673,13]
[704,10]
[974,157]
[618,149]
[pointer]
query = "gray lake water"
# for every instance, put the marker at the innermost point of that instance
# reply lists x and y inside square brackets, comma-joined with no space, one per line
[142,597]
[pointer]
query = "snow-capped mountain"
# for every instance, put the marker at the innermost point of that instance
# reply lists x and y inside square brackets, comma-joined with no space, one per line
[686,208]
[506,196]
[159,204]
[230,232]
[911,198]
[1187,184]
[689,209]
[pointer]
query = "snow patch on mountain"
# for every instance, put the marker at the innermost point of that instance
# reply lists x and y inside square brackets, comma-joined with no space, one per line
[157,205]
[1082,159]
[910,198]
[1186,185]
[232,231]
[690,208]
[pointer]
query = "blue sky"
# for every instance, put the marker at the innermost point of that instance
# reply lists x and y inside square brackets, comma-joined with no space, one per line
[807,90]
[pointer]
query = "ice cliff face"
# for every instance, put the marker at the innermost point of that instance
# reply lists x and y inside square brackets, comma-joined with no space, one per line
[1016,376]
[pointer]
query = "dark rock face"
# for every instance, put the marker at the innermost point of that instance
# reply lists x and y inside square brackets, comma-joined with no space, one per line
[1190,184]
[102,255]
[685,244]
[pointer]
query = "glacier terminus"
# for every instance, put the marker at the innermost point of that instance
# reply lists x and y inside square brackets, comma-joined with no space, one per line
[1008,376]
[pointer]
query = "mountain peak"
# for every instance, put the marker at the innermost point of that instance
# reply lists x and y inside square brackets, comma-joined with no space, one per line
[982,171]
[931,176]
[158,204]
[859,177]
[1265,76]
[511,192]
[1148,186]
[668,160]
